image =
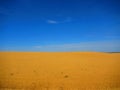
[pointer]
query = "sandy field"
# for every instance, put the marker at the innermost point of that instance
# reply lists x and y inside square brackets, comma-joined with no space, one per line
[59,71]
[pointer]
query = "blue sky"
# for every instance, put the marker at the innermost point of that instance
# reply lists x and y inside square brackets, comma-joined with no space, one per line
[60,25]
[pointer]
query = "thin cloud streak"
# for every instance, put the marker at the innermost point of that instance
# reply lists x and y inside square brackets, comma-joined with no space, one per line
[52,22]
[68,19]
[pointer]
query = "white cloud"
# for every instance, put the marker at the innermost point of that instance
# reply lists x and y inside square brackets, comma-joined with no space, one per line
[83,46]
[52,21]
[68,19]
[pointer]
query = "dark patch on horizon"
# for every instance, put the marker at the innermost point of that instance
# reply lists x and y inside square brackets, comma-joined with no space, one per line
[66,76]
[11,74]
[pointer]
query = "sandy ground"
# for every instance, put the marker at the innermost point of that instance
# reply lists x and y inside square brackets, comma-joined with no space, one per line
[59,71]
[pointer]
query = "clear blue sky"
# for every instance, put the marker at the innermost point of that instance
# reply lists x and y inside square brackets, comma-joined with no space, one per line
[59,25]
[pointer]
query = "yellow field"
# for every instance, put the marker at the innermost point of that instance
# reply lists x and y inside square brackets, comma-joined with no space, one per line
[59,71]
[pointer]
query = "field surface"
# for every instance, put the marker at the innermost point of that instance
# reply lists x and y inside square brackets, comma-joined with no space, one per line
[59,71]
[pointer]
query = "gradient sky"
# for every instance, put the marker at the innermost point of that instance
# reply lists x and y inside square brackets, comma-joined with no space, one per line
[60,25]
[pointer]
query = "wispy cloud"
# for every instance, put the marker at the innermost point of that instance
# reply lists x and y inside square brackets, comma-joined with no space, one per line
[83,46]
[52,21]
